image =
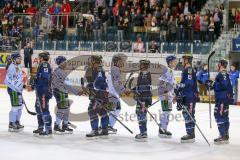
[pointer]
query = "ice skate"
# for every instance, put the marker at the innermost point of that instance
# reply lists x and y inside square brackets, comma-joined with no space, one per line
[92,135]
[222,140]
[142,137]
[57,130]
[164,133]
[112,130]
[189,138]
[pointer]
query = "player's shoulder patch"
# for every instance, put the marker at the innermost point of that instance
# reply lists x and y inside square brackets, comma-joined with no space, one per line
[190,70]
[45,64]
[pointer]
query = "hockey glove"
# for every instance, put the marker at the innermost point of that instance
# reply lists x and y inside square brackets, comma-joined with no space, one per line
[209,84]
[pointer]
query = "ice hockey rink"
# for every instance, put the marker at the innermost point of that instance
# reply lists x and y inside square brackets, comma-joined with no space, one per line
[22,146]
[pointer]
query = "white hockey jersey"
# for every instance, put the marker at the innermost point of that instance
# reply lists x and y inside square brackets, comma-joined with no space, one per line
[115,85]
[168,77]
[14,78]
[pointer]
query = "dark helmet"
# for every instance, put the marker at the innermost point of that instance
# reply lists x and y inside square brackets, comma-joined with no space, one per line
[14,56]
[44,55]
[60,59]
[115,59]
[188,56]
[223,63]
[170,58]
[96,58]
[145,62]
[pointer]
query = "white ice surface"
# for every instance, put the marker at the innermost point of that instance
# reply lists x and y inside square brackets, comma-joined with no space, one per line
[23,146]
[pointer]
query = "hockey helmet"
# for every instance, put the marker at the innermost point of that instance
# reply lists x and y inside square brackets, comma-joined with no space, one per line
[170,58]
[60,59]
[44,55]
[15,55]
[223,62]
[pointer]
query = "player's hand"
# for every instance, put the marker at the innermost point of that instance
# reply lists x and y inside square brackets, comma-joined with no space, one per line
[209,84]
[174,99]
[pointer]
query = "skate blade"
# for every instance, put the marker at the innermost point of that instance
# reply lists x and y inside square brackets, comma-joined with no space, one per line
[188,141]
[21,129]
[164,136]
[104,137]
[109,132]
[141,140]
[221,143]
[13,130]
[58,133]
[92,138]
[67,132]
[45,136]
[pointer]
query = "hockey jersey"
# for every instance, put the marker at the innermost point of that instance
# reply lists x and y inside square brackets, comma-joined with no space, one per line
[189,79]
[222,88]
[43,79]
[14,78]
[169,78]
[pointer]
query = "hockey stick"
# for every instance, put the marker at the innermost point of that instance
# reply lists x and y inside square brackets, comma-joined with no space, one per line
[29,112]
[125,84]
[82,84]
[196,124]
[209,90]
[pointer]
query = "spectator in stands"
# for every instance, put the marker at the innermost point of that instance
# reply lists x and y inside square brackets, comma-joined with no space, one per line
[100,5]
[202,77]
[186,9]
[120,29]
[31,9]
[139,46]
[197,26]
[211,29]
[1,29]
[217,21]
[65,9]
[126,26]
[154,48]
[35,31]
[80,28]
[122,9]
[163,28]
[234,76]
[57,11]
[97,25]
[181,28]
[180,9]
[104,19]
[172,29]
[62,33]
[18,8]
[204,28]
[139,19]
[89,28]
[146,9]
[115,13]
[28,52]
[237,18]
[7,8]
[189,28]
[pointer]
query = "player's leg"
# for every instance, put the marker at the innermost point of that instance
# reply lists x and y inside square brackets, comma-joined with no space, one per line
[189,124]
[39,116]
[92,113]
[104,121]
[142,121]
[65,126]
[112,120]
[19,115]
[222,119]
[164,119]
[13,114]
[46,117]
[59,113]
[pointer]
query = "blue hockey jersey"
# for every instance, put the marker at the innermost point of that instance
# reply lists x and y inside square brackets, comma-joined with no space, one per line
[43,79]
[189,79]
[202,76]
[234,75]
[223,88]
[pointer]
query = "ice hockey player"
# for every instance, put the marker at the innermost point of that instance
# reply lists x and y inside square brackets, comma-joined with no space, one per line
[190,94]
[97,86]
[43,95]
[167,99]
[60,92]
[223,97]
[143,96]
[116,89]
[15,85]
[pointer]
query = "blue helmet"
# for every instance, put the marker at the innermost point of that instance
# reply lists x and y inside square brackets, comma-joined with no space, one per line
[15,55]
[60,59]
[170,58]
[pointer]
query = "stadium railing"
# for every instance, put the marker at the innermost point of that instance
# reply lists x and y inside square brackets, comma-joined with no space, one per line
[125,46]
